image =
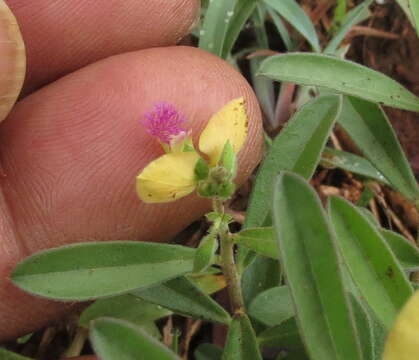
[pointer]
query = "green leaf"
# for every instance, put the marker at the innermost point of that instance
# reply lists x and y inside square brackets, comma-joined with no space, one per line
[366,196]
[260,275]
[260,240]
[353,17]
[410,7]
[292,12]
[404,4]
[208,283]
[406,252]
[115,339]
[353,163]
[414,9]
[282,29]
[285,335]
[242,11]
[369,215]
[183,297]
[216,23]
[273,306]
[364,327]
[205,253]
[241,341]
[98,269]
[340,75]
[372,265]
[369,128]
[8,355]
[208,352]
[313,272]
[126,307]
[263,87]
[375,341]
[297,148]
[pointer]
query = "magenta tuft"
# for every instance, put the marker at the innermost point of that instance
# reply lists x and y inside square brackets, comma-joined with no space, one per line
[164,122]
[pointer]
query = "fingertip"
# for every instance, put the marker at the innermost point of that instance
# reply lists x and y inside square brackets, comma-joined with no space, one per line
[63,36]
[12,60]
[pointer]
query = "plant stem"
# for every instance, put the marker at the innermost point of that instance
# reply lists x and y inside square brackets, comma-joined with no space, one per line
[228,264]
[77,344]
[231,274]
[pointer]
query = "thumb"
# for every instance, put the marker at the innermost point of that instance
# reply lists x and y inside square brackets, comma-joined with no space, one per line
[12,60]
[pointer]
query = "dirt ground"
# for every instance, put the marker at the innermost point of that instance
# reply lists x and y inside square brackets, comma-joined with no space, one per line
[394,51]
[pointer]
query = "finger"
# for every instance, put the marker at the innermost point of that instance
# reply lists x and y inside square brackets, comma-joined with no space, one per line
[12,60]
[62,36]
[71,152]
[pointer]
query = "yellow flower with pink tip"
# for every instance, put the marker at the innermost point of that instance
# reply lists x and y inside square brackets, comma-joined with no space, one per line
[173,175]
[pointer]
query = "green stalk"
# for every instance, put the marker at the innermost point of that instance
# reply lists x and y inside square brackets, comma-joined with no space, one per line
[228,264]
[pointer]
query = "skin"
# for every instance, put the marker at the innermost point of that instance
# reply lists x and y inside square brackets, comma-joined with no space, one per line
[70,151]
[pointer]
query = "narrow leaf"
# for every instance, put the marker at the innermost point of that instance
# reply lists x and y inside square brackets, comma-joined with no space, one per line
[414,9]
[125,307]
[355,16]
[241,341]
[313,272]
[373,267]
[273,306]
[216,23]
[292,12]
[282,29]
[183,297]
[340,75]
[285,335]
[92,270]
[204,256]
[208,352]
[8,355]
[208,283]
[115,339]
[242,11]
[262,274]
[369,128]
[297,148]
[405,5]
[263,87]
[352,163]
[405,251]
[364,327]
[260,240]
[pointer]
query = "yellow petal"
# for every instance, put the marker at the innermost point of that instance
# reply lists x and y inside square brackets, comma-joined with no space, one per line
[403,341]
[230,123]
[168,178]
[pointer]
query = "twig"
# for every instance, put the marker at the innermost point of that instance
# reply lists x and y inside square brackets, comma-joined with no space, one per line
[228,263]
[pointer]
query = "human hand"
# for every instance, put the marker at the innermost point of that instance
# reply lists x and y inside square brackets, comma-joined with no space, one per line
[70,151]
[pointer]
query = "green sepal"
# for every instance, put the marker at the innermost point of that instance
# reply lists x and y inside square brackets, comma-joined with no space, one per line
[221,191]
[188,148]
[206,189]
[228,159]
[226,190]
[201,170]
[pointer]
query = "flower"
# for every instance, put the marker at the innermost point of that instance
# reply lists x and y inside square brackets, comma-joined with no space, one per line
[164,122]
[172,176]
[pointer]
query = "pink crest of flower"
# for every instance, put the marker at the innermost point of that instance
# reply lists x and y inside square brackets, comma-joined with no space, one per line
[164,122]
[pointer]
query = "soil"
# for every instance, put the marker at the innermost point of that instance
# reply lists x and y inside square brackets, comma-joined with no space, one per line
[396,58]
